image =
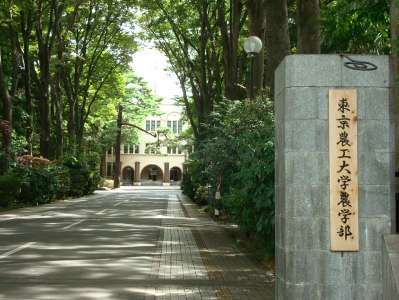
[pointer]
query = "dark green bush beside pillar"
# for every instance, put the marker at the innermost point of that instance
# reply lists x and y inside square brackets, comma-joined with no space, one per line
[10,187]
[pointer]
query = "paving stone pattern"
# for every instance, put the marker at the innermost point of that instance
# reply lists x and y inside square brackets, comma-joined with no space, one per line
[196,260]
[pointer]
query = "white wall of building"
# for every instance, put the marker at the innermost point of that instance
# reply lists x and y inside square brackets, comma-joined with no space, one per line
[138,161]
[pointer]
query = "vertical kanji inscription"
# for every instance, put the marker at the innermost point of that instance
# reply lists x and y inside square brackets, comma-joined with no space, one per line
[344,218]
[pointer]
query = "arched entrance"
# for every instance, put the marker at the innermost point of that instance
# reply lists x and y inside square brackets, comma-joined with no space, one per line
[151,174]
[175,174]
[127,175]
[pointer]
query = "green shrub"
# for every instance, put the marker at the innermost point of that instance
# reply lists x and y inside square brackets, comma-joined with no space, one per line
[188,186]
[38,184]
[10,187]
[106,183]
[84,178]
[241,209]
[201,195]
[62,181]
[238,153]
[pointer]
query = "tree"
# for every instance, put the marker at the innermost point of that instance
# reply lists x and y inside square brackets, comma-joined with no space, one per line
[187,34]
[308,26]
[358,26]
[47,16]
[230,29]
[257,27]
[277,38]
[98,44]
[26,32]
[238,153]
[8,86]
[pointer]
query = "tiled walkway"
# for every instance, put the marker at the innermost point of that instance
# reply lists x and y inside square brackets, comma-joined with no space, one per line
[196,260]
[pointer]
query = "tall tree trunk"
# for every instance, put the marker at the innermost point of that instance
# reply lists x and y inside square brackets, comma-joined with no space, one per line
[6,122]
[308,26]
[257,27]
[203,77]
[190,116]
[230,32]
[43,81]
[277,38]
[7,95]
[26,29]
[117,175]
[50,17]
[204,85]
[71,127]
[103,164]
[44,112]
[81,48]
[59,147]
[71,77]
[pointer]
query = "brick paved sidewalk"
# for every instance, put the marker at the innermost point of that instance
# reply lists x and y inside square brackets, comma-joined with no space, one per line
[196,260]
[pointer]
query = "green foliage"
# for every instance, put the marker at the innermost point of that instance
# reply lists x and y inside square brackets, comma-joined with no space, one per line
[106,183]
[201,195]
[10,187]
[138,102]
[240,207]
[38,184]
[360,26]
[61,180]
[188,185]
[43,181]
[256,174]
[84,178]
[239,153]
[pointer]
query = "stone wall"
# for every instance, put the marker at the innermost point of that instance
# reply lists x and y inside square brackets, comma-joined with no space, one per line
[306,268]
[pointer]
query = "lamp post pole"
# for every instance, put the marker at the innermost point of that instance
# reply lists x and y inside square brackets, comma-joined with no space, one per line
[252,45]
[251,77]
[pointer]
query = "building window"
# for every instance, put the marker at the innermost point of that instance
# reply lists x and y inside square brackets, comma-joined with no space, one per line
[130,149]
[174,150]
[172,125]
[175,126]
[109,151]
[110,170]
[152,125]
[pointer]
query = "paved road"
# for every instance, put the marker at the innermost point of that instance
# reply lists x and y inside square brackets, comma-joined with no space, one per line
[123,244]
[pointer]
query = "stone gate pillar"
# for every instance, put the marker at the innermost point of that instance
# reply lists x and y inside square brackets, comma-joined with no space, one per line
[306,265]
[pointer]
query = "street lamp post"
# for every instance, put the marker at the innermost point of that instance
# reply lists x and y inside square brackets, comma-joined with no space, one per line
[252,45]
